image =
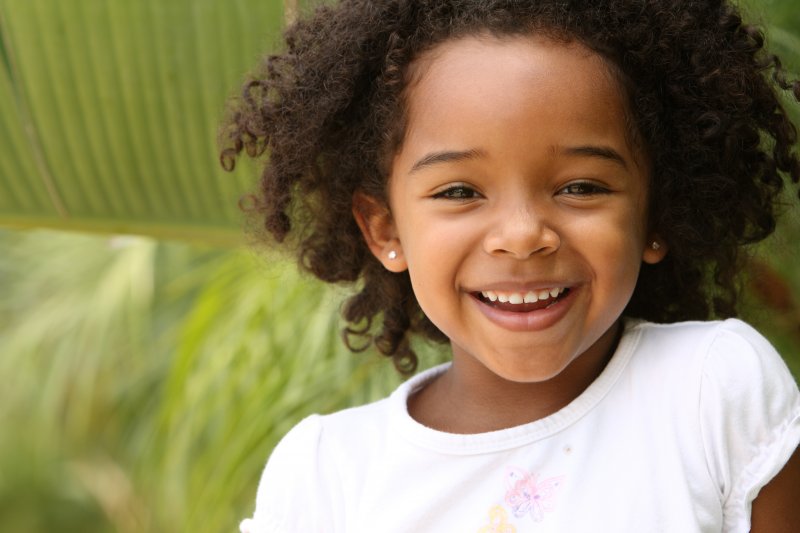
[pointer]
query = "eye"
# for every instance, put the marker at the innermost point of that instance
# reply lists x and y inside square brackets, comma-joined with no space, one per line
[583,188]
[457,192]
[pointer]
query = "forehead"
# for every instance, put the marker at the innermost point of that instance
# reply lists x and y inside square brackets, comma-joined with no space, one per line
[492,79]
[536,60]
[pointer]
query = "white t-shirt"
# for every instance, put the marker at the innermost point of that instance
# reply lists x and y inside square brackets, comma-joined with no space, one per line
[683,427]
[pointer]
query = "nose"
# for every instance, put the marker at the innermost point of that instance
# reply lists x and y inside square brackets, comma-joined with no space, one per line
[522,232]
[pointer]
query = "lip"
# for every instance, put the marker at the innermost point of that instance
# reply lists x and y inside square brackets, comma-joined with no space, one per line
[537,320]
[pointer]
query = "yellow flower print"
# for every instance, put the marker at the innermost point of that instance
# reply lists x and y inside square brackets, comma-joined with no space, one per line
[498,522]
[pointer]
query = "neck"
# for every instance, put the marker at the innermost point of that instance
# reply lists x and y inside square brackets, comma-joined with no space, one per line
[468,399]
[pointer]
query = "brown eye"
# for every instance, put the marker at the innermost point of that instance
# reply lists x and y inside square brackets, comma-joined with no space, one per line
[583,188]
[457,192]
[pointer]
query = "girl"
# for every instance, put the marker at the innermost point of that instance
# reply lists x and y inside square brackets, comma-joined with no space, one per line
[559,190]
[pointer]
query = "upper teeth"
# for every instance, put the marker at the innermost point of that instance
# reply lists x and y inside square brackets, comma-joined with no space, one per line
[520,297]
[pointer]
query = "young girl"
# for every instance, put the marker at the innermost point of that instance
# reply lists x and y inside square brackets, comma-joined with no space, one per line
[559,190]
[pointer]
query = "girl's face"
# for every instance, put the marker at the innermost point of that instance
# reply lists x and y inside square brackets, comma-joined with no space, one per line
[517,203]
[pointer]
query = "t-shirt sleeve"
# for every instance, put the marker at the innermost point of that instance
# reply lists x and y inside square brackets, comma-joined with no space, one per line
[749,415]
[291,491]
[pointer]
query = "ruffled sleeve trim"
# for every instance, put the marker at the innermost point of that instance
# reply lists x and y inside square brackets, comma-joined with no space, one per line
[770,458]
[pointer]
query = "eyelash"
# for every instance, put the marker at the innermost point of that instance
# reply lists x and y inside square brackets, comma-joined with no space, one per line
[586,188]
[457,192]
[465,192]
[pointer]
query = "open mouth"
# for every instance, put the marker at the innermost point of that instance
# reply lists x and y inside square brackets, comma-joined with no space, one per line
[522,302]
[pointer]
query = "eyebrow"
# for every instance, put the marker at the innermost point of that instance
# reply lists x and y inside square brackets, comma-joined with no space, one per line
[445,156]
[602,152]
[450,156]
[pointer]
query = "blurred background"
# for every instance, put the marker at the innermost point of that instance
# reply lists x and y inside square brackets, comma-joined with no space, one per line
[149,357]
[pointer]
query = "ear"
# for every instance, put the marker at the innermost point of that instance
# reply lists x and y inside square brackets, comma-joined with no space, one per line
[655,249]
[375,221]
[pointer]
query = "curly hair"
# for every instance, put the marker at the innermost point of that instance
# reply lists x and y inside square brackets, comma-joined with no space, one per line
[704,99]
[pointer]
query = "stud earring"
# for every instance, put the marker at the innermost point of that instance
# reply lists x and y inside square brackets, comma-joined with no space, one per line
[392,254]
[655,245]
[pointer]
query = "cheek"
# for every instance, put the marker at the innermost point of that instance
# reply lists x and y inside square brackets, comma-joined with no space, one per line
[621,260]
[613,246]
[428,239]
[437,252]
[431,258]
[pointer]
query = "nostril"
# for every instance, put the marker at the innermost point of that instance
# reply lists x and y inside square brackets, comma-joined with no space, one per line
[522,242]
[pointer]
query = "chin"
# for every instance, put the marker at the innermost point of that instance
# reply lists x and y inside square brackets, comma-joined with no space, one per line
[525,374]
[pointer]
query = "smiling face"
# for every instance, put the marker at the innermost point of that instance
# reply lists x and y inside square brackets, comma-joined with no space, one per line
[517,203]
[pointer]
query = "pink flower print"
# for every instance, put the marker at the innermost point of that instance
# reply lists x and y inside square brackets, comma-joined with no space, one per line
[527,495]
[498,522]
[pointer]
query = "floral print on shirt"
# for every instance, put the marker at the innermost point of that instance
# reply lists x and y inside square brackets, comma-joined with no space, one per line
[498,521]
[527,495]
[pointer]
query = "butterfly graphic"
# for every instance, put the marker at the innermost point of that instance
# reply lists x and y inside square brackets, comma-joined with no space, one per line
[526,495]
[498,521]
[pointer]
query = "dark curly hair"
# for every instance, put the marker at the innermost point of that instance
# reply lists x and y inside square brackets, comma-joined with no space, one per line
[704,103]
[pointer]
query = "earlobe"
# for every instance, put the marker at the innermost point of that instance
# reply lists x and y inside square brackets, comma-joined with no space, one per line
[377,225]
[655,250]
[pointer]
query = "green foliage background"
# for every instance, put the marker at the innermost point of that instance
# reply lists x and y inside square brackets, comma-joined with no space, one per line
[146,378]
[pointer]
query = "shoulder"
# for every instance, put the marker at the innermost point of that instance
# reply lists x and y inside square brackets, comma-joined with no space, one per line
[292,463]
[748,410]
[743,385]
[672,356]
[740,359]
[692,334]
[301,487]
[724,368]
[691,373]
[748,400]
[713,347]
[319,469]
[739,368]
[324,434]
[726,390]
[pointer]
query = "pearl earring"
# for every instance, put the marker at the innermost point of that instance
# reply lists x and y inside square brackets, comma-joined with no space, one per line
[655,245]
[392,254]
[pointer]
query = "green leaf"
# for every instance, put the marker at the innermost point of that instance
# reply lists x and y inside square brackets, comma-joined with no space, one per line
[109,113]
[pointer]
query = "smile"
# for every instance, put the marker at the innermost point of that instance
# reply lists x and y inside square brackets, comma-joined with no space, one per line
[522,302]
[525,310]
